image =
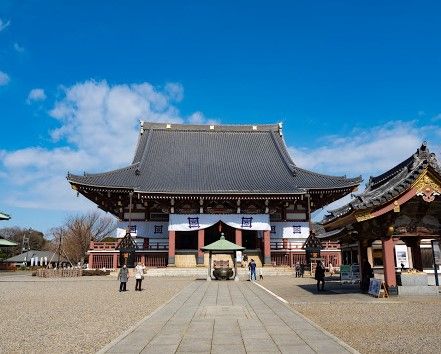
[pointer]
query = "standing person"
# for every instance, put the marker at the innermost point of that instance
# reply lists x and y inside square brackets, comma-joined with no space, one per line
[302,269]
[139,275]
[123,277]
[366,275]
[252,268]
[331,269]
[297,269]
[320,275]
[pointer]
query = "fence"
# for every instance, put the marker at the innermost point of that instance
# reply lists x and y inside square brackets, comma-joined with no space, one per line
[287,259]
[153,259]
[103,261]
[60,272]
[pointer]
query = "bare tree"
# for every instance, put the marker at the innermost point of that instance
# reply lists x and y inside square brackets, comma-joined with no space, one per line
[79,230]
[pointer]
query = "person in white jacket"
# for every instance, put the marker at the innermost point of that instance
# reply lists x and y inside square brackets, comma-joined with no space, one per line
[139,275]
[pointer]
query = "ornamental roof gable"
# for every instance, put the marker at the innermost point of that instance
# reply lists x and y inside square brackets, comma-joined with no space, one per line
[385,188]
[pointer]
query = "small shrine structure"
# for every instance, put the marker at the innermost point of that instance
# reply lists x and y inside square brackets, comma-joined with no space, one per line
[223,246]
[392,223]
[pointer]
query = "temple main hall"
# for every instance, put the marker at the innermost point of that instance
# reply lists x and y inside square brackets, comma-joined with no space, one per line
[188,183]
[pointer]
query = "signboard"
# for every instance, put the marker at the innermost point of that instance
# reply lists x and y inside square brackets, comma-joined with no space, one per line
[350,273]
[239,256]
[374,287]
[401,256]
[355,270]
[345,273]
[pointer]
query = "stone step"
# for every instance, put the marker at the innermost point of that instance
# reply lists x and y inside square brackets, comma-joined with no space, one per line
[202,272]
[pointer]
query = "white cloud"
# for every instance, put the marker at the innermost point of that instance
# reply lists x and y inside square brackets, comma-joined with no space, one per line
[366,153]
[436,117]
[4,78]
[199,118]
[175,91]
[18,48]
[363,152]
[4,25]
[98,130]
[36,94]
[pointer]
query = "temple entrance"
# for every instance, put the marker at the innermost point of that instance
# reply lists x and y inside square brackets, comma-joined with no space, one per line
[212,233]
[250,239]
[186,240]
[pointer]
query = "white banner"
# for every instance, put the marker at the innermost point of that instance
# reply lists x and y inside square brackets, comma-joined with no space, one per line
[152,229]
[192,222]
[290,229]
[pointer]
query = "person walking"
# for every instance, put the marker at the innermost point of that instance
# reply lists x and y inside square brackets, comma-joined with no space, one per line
[123,277]
[139,275]
[252,269]
[320,275]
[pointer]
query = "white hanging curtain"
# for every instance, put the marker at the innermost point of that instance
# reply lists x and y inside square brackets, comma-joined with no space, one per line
[192,222]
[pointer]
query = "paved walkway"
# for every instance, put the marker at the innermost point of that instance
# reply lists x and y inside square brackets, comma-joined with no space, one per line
[225,317]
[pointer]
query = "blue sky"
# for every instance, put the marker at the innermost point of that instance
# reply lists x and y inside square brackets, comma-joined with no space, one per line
[356,84]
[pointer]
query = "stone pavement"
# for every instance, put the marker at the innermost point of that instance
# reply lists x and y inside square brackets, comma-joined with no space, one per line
[226,317]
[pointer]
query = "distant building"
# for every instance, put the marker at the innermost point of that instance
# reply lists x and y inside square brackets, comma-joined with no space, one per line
[37,258]
[187,183]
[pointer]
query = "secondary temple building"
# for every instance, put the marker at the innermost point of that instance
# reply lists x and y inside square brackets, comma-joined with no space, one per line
[188,183]
[393,222]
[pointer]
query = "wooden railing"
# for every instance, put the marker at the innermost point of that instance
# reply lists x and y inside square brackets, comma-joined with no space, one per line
[284,245]
[94,245]
[155,244]
[291,246]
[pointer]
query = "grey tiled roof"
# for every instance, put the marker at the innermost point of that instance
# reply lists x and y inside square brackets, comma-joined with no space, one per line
[191,159]
[4,216]
[51,256]
[391,184]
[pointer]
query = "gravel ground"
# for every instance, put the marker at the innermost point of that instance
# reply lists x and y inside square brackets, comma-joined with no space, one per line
[81,315]
[400,324]
[73,315]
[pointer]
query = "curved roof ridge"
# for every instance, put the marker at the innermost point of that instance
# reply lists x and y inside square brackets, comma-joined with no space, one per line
[276,127]
[282,150]
[131,166]
[421,154]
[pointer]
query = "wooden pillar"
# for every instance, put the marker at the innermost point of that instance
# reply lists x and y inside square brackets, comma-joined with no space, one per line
[389,265]
[266,248]
[90,265]
[370,257]
[171,248]
[115,261]
[417,261]
[201,243]
[238,237]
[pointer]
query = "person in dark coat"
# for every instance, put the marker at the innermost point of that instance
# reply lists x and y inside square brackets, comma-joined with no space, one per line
[123,277]
[320,275]
[252,269]
[366,275]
